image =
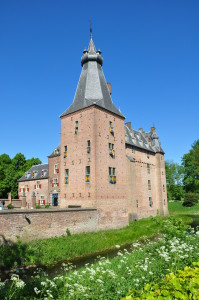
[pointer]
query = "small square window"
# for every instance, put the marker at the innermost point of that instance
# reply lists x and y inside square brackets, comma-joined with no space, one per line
[150,202]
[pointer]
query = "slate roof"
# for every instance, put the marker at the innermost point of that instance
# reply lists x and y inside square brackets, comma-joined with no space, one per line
[37,169]
[92,87]
[145,140]
[56,152]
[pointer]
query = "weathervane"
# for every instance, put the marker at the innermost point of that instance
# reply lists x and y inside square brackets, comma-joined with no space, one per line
[90,29]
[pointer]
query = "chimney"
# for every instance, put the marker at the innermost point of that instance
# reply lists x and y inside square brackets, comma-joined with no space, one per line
[128,124]
[141,130]
[109,87]
[152,129]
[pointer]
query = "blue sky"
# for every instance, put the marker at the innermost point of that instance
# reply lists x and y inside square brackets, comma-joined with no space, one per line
[151,57]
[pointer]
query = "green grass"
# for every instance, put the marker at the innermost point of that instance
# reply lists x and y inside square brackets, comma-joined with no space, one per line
[50,251]
[176,208]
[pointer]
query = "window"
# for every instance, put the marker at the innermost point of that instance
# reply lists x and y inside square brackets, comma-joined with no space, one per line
[111,128]
[33,174]
[162,173]
[42,201]
[55,169]
[56,151]
[163,188]
[150,202]
[149,184]
[38,186]
[55,182]
[148,168]
[133,149]
[112,175]
[137,203]
[76,127]
[88,146]
[148,154]
[27,188]
[87,175]
[42,173]
[66,180]
[111,150]
[65,152]
[164,202]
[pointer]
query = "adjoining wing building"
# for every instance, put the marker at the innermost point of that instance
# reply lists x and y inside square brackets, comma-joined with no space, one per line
[101,162]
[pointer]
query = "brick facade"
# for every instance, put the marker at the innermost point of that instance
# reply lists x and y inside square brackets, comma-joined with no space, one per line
[101,163]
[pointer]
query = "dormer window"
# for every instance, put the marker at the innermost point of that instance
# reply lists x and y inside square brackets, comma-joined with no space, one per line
[33,174]
[56,151]
[76,127]
[126,137]
[133,149]
[42,173]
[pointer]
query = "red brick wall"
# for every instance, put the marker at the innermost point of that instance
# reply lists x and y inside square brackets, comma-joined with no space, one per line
[45,223]
[43,191]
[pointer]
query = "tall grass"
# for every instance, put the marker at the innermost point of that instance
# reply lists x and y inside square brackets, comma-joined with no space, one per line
[176,208]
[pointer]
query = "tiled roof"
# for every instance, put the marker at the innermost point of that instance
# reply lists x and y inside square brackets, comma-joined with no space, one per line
[92,87]
[56,152]
[36,173]
[144,140]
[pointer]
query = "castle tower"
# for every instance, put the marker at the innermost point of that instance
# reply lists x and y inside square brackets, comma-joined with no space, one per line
[92,168]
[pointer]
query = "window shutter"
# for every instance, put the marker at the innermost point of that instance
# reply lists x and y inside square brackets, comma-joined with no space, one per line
[57,183]
[23,189]
[28,189]
[44,202]
[52,184]
[35,186]
[39,201]
[40,186]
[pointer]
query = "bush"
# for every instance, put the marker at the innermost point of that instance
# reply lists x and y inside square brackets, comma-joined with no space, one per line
[190,199]
[38,206]
[10,206]
[47,206]
[68,232]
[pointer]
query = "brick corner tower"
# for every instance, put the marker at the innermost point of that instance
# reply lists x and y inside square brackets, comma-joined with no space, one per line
[92,161]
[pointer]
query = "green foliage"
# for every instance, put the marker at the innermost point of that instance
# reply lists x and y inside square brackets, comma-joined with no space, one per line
[11,170]
[49,251]
[68,232]
[191,199]
[10,206]
[38,206]
[140,269]
[47,206]
[190,163]
[176,208]
[174,178]
[182,285]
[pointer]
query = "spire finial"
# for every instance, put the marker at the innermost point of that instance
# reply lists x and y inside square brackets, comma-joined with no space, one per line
[90,29]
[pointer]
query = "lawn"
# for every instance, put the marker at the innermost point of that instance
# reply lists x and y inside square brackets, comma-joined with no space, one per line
[176,208]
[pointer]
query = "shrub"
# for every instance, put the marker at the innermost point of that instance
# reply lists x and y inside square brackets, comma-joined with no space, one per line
[10,206]
[38,206]
[182,285]
[68,232]
[190,199]
[47,206]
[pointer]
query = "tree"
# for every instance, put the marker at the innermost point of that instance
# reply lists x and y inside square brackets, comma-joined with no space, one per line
[190,162]
[11,170]
[174,179]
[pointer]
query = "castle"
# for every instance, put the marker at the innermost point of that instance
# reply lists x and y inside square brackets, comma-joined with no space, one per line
[101,162]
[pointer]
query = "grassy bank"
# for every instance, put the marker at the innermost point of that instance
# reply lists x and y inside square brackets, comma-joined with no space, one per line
[131,270]
[176,208]
[49,251]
